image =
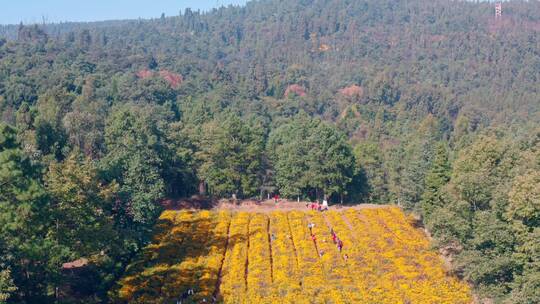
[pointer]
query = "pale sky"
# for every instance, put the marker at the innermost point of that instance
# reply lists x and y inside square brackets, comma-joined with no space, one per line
[34,11]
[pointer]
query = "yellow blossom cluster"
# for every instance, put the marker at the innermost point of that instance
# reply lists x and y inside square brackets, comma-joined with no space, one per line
[290,257]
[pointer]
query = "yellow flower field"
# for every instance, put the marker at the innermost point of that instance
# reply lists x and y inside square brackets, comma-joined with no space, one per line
[242,257]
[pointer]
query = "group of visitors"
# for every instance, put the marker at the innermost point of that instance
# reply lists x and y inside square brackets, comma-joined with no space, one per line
[318,206]
[337,241]
[311,205]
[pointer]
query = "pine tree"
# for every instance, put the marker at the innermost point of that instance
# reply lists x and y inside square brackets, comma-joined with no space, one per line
[25,249]
[437,176]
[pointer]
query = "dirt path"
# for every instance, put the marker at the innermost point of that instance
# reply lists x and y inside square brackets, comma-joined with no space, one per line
[293,245]
[283,205]
[246,270]
[270,249]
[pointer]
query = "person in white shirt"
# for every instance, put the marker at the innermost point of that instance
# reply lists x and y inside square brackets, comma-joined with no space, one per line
[325,204]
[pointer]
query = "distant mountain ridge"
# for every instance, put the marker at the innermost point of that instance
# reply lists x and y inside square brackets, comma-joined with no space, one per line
[420,44]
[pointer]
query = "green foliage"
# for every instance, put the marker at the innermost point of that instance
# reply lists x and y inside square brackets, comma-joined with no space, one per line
[527,284]
[288,150]
[6,285]
[230,156]
[436,178]
[524,199]
[24,245]
[80,207]
[369,166]
[310,156]
[81,211]
[135,142]
[437,126]
[488,212]
[330,160]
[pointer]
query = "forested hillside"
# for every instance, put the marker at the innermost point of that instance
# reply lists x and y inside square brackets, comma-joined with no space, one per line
[430,104]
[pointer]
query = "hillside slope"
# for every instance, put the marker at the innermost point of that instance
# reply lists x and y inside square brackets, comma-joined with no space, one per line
[421,57]
[243,257]
[431,104]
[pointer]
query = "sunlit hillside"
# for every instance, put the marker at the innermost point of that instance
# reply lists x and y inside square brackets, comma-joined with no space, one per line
[242,257]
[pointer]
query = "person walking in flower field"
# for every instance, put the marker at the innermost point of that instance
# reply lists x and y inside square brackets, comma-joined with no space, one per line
[333,234]
[340,244]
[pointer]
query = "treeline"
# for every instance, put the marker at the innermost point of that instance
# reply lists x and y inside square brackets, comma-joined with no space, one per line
[481,202]
[363,101]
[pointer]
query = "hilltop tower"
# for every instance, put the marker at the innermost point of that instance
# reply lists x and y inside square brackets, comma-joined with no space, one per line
[498,9]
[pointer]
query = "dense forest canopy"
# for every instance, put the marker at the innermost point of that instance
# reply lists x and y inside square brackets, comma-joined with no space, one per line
[431,104]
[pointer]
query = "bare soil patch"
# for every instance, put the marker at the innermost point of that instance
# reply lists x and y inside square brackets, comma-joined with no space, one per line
[249,205]
[285,205]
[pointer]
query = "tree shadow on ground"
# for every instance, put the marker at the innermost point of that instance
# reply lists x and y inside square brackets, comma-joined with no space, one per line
[171,265]
[197,202]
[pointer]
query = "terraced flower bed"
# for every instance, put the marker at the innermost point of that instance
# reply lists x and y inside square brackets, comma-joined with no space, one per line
[248,257]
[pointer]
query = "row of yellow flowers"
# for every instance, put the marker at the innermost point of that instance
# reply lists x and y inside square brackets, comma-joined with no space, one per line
[383,286]
[259,272]
[210,263]
[233,285]
[356,254]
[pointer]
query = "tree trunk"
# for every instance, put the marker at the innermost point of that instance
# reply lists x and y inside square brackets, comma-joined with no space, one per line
[202,188]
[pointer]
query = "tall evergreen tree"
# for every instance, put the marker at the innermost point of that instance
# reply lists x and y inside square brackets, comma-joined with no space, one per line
[369,163]
[25,248]
[436,178]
